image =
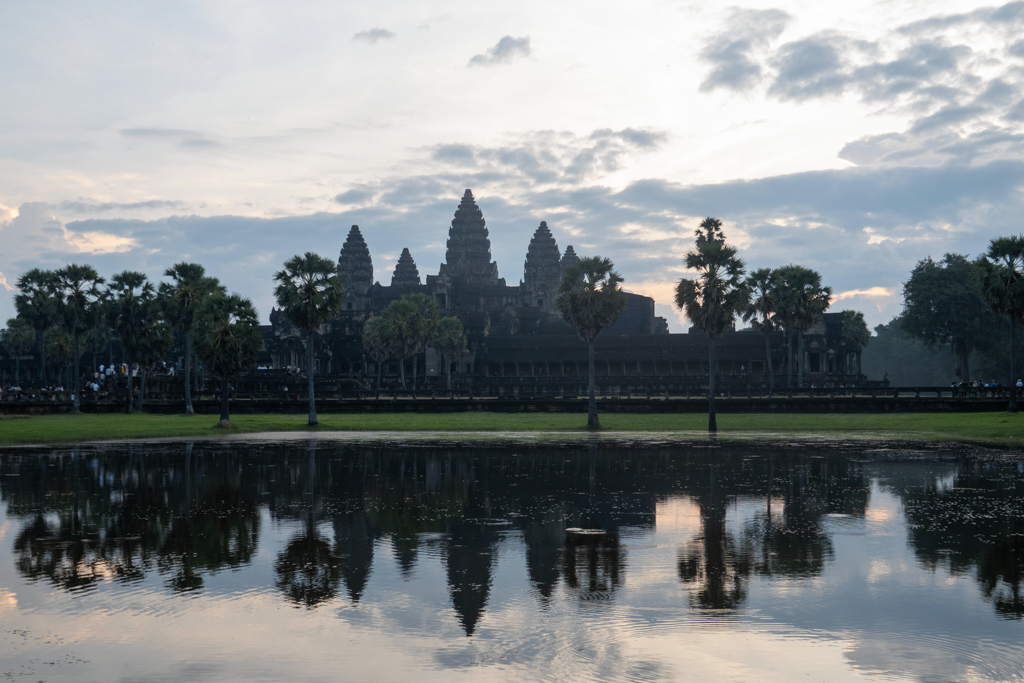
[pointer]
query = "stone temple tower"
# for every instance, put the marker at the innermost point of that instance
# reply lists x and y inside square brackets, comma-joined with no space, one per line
[406,274]
[468,258]
[355,270]
[542,271]
[570,258]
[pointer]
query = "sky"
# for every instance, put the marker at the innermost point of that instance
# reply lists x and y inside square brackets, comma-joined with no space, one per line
[854,138]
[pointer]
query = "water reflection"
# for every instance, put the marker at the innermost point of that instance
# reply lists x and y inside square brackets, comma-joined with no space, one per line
[570,517]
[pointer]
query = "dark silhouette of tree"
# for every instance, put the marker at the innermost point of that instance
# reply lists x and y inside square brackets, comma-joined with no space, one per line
[590,299]
[181,299]
[943,305]
[130,303]
[802,300]
[450,342]
[36,303]
[1000,277]
[229,339]
[761,311]
[715,297]
[309,291]
[79,305]
[18,338]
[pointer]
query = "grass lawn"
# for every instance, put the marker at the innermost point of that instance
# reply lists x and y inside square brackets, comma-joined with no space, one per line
[1002,428]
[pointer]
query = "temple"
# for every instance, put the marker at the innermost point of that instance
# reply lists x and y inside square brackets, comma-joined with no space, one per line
[517,338]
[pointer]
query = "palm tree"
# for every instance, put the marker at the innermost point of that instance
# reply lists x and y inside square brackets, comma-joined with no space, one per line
[715,297]
[35,303]
[310,292]
[377,343]
[130,302]
[802,300]
[79,301]
[180,299]
[155,338]
[761,311]
[409,324]
[1000,274]
[855,336]
[590,299]
[228,340]
[450,341]
[18,339]
[60,346]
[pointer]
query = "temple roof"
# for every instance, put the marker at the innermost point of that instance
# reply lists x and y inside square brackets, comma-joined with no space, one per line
[542,259]
[355,268]
[569,258]
[468,255]
[406,274]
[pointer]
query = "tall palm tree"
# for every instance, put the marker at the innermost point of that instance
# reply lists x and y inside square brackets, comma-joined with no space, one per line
[130,302]
[450,341]
[590,299]
[180,299]
[35,303]
[228,340]
[802,300]
[1000,275]
[18,339]
[761,311]
[79,301]
[715,297]
[855,336]
[310,293]
[409,324]
[155,338]
[377,343]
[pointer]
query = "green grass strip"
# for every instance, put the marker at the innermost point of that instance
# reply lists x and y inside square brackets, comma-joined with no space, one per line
[998,428]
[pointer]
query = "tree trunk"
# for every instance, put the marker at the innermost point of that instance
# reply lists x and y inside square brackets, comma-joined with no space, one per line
[712,417]
[78,376]
[448,366]
[965,368]
[142,388]
[415,358]
[800,358]
[379,367]
[789,358]
[401,368]
[309,371]
[771,372]
[1013,365]
[128,376]
[592,421]
[189,410]
[42,356]
[17,370]
[225,414]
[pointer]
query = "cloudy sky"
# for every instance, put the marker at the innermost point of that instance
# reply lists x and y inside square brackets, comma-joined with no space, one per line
[855,138]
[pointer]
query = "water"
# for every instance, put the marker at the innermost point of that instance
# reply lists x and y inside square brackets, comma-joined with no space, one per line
[366,561]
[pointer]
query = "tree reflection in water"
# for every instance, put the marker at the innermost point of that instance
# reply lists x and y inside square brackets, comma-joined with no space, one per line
[971,522]
[184,513]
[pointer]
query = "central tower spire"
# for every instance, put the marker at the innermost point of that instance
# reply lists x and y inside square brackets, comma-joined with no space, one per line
[468,258]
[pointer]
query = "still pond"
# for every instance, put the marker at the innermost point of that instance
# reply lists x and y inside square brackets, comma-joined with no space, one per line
[335,560]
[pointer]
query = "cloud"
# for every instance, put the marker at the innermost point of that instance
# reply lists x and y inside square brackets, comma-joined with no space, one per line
[504,52]
[188,139]
[735,52]
[543,157]
[870,293]
[964,94]
[374,35]
[4,283]
[84,205]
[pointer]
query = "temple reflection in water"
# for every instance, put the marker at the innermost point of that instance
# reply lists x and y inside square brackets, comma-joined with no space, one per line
[184,513]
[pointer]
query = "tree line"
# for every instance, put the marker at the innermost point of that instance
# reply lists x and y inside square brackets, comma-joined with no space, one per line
[963,304]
